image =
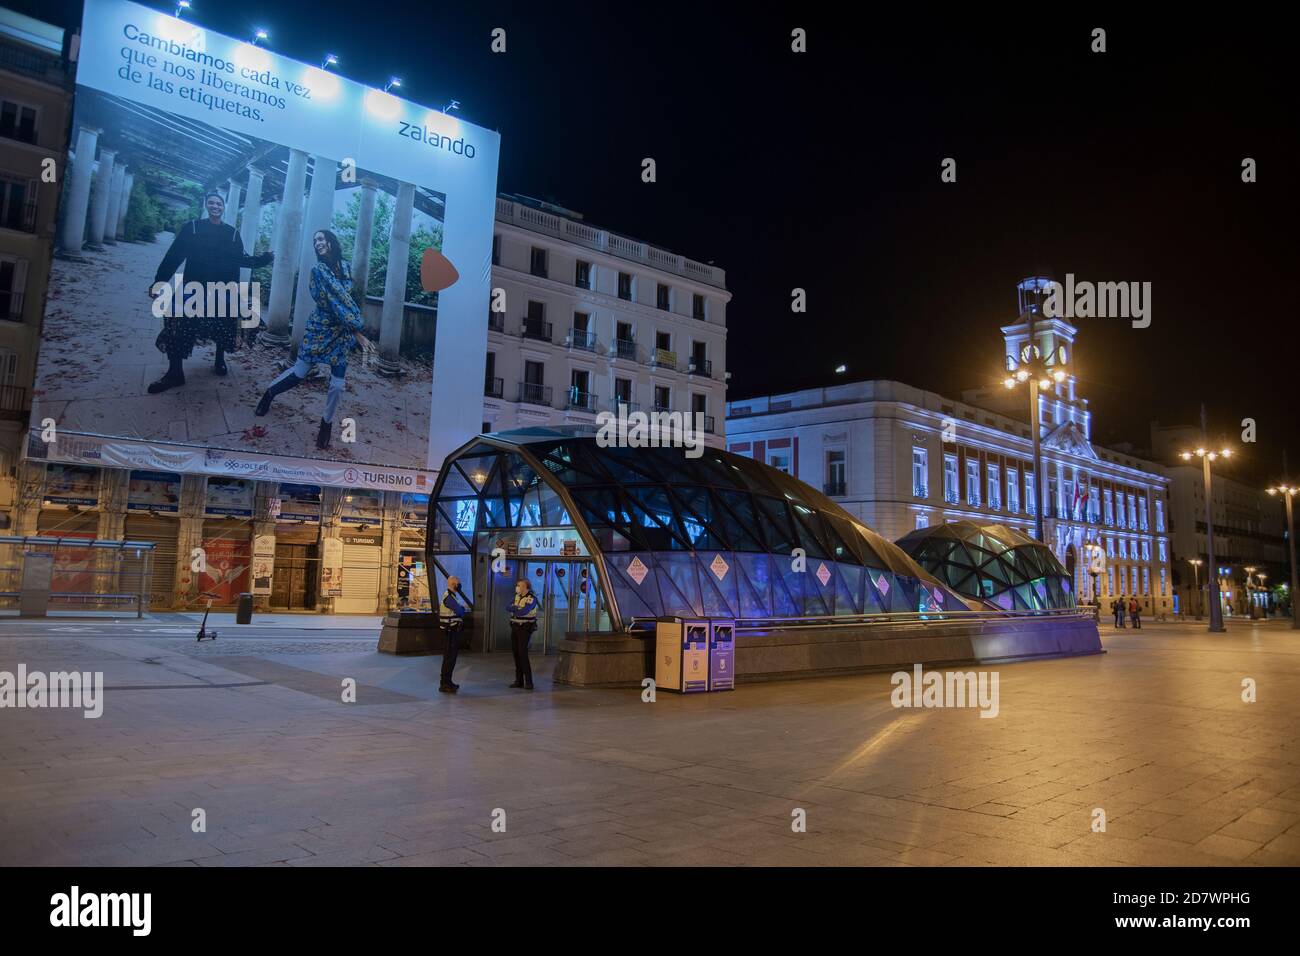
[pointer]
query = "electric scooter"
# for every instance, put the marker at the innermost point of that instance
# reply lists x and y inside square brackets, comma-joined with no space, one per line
[203,627]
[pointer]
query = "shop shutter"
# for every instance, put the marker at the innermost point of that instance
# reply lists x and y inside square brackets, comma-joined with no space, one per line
[162,533]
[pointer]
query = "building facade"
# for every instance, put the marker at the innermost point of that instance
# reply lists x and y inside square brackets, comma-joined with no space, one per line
[902,458]
[35,109]
[585,320]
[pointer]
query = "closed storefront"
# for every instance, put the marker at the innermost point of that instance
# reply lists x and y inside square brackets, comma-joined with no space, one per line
[297,568]
[361,566]
[153,500]
[227,541]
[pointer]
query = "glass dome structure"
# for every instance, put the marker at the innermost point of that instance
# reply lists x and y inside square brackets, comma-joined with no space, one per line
[660,534]
[992,563]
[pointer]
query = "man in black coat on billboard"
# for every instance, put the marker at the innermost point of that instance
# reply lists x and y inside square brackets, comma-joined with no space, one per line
[212,252]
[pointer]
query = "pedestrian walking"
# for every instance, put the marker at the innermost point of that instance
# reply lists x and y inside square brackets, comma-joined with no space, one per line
[1135,612]
[212,253]
[451,618]
[333,331]
[523,621]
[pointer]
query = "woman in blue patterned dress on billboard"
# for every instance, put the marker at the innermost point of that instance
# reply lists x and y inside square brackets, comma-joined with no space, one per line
[333,331]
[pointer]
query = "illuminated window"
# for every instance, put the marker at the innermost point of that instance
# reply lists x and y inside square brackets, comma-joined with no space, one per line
[920,473]
[1160,515]
[995,488]
[973,482]
[1013,490]
[950,479]
[1031,493]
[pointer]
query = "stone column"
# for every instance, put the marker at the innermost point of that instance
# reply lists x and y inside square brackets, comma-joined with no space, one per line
[114,484]
[114,204]
[399,249]
[263,523]
[288,230]
[233,195]
[331,505]
[73,231]
[31,494]
[194,489]
[99,200]
[390,553]
[361,249]
[320,212]
[127,185]
[248,227]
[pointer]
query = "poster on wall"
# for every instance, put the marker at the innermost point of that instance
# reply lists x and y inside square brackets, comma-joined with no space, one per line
[72,485]
[229,496]
[300,503]
[154,491]
[250,188]
[331,567]
[263,563]
[226,573]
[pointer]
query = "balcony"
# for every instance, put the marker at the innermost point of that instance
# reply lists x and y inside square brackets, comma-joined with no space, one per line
[494,387]
[625,406]
[664,359]
[580,401]
[11,306]
[582,339]
[496,321]
[834,489]
[13,403]
[535,393]
[700,366]
[625,349]
[708,425]
[536,329]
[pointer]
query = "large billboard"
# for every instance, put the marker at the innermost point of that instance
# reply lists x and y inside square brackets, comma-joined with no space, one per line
[345,232]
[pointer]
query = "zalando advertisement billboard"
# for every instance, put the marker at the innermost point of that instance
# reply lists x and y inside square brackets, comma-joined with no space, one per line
[264,270]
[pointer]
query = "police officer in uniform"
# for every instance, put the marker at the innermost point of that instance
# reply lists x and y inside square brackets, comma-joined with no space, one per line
[523,621]
[451,616]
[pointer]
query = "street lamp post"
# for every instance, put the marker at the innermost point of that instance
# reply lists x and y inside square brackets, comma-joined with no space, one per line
[1288,492]
[1039,371]
[1216,612]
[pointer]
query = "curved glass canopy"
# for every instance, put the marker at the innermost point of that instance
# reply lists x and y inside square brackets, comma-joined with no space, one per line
[719,536]
[995,564]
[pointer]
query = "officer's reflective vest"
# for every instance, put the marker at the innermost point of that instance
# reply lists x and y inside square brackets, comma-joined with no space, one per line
[523,610]
[451,611]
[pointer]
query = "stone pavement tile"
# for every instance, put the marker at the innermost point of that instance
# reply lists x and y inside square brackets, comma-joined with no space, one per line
[349,857]
[451,856]
[1194,827]
[697,856]
[258,857]
[171,850]
[507,844]
[996,809]
[429,843]
[919,857]
[1226,846]
[1282,850]
[1244,829]
[535,856]
[585,846]
[624,857]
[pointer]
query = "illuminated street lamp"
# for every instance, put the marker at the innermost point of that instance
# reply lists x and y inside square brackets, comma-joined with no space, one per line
[1250,605]
[330,60]
[395,81]
[258,35]
[1216,612]
[1039,371]
[181,7]
[1288,492]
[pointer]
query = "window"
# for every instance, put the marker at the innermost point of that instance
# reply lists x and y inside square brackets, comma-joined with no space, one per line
[1119,510]
[582,275]
[1162,549]
[13,276]
[920,473]
[496,250]
[697,307]
[973,482]
[582,336]
[922,519]
[16,212]
[625,286]
[580,390]
[1110,508]
[1160,515]
[1164,586]
[699,404]
[1142,512]
[663,296]
[1110,580]
[1146,550]
[835,472]
[1132,513]
[781,462]
[995,487]
[1031,494]
[533,388]
[1134,576]
[950,479]
[1013,490]
[1094,504]
[700,360]
[1110,547]
[17,121]
[1123,548]
[624,341]
[538,267]
[663,399]
[623,391]
[1146,580]
[492,386]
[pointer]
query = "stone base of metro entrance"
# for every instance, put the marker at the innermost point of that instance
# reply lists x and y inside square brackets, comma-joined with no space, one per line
[624,660]
[412,632]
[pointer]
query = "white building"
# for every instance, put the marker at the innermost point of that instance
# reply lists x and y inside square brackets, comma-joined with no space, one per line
[588,319]
[902,458]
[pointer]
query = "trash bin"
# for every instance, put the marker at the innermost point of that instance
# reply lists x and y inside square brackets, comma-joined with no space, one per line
[682,655]
[244,611]
[722,655]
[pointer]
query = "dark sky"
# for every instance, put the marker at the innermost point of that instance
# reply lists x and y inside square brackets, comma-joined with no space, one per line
[821,171]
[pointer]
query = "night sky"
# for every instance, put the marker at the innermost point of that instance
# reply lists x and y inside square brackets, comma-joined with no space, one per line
[821,171]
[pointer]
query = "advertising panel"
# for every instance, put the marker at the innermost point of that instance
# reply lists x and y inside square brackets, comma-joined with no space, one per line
[255,255]
[263,563]
[226,571]
[154,491]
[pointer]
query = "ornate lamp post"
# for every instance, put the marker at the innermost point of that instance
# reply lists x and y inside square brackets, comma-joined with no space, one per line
[1216,612]
[1288,492]
[1196,596]
[1040,371]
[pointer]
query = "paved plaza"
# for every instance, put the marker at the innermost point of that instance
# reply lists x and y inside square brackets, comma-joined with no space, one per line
[252,730]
